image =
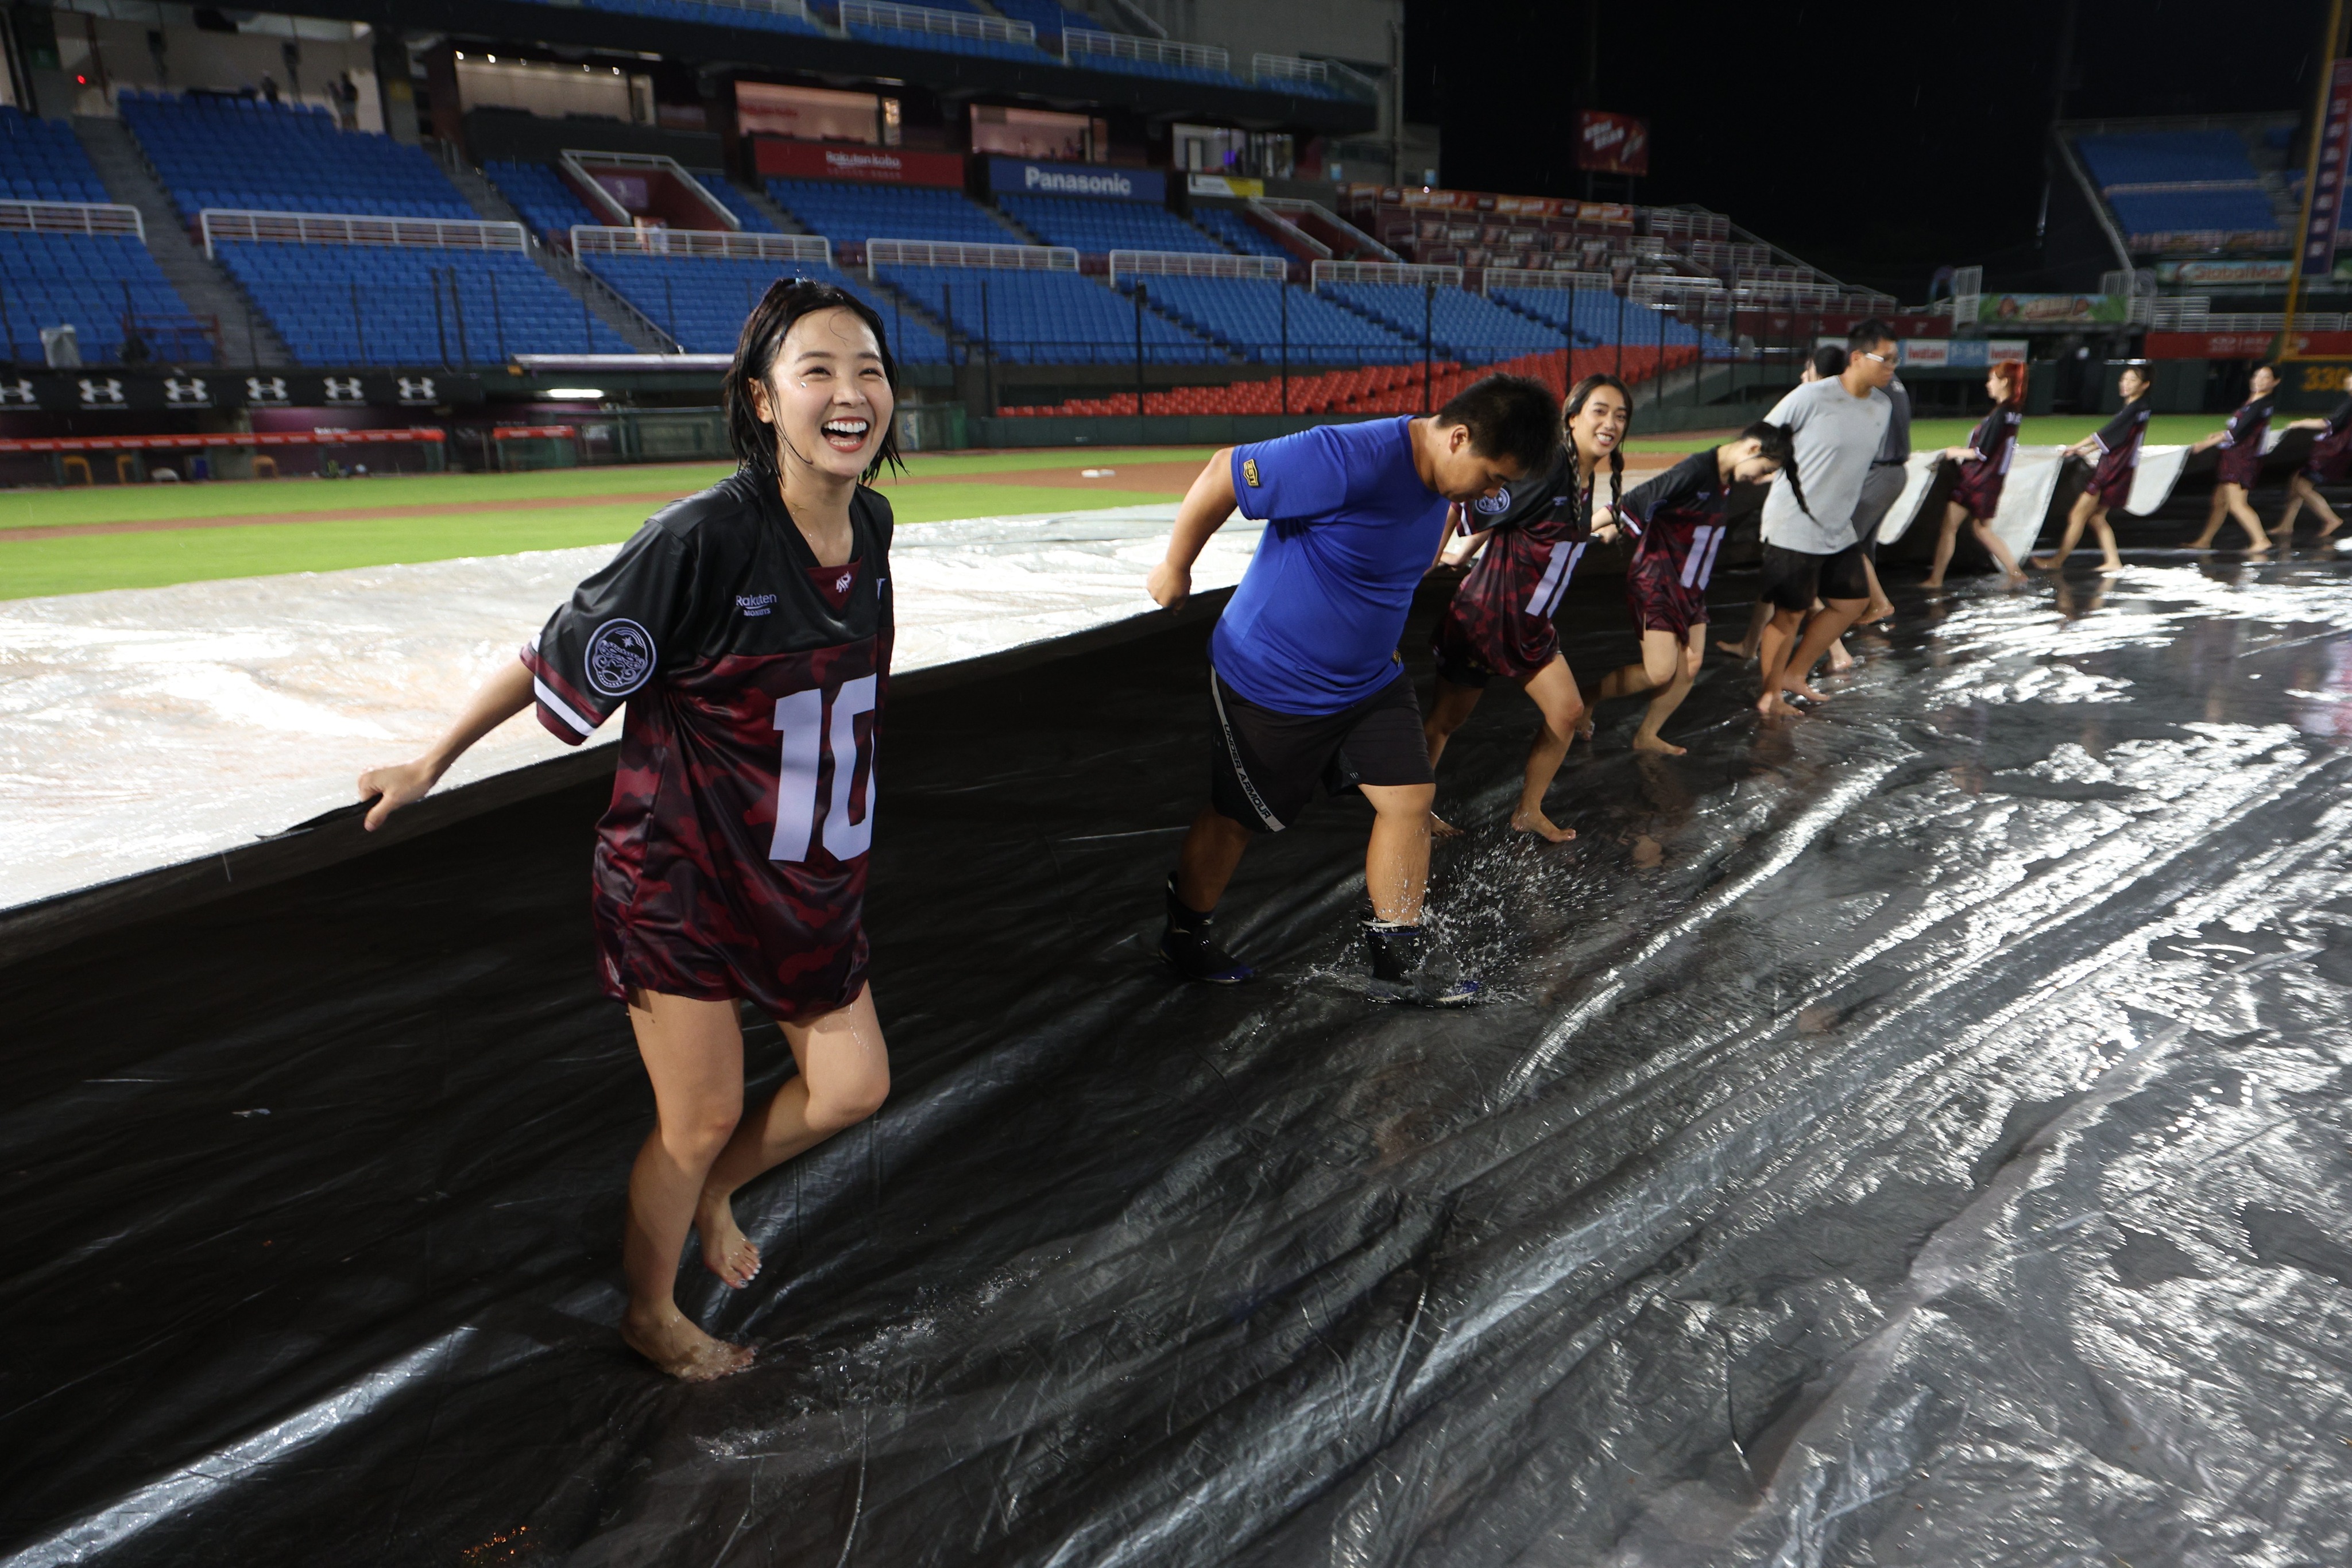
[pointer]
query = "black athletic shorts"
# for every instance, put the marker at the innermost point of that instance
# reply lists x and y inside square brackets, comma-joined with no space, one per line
[1879,493]
[1793,580]
[1267,763]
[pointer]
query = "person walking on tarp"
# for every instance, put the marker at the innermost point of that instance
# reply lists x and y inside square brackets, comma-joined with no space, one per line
[1527,540]
[1305,677]
[748,632]
[2242,440]
[2114,447]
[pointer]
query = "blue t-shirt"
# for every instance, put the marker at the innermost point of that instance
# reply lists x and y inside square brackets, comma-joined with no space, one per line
[1350,529]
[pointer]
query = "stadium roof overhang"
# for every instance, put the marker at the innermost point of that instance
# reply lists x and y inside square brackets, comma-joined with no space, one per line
[756,50]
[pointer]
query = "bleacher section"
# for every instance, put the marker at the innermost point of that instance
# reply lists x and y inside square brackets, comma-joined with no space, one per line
[1246,315]
[849,214]
[1597,313]
[2179,182]
[701,301]
[1047,17]
[1047,317]
[90,282]
[724,193]
[244,153]
[1461,325]
[942,39]
[392,305]
[716,16]
[548,204]
[1093,227]
[40,160]
[1237,232]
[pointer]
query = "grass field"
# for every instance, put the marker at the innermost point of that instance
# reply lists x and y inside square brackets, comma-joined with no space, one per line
[80,541]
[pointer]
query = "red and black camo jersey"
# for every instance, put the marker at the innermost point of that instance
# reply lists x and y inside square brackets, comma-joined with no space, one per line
[1679,518]
[1981,477]
[732,862]
[1539,529]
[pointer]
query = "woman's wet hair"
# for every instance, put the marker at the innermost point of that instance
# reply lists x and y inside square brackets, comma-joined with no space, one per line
[1829,361]
[787,300]
[1577,395]
[1777,444]
[2012,375]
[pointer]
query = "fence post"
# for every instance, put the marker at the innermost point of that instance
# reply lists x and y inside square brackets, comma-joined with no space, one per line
[1284,286]
[359,325]
[457,308]
[1139,359]
[8,327]
[898,327]
[587,332]
[987,352]
[1621,330]
[1428,314]
[440,327]
[1567,341]
[670,298]
[498,315]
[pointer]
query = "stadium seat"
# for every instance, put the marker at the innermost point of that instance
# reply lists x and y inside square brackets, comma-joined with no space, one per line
[701,301]
[545,199]
[218,152]
[1237,232]
[723,191]
[850,214]
[91,282]
[2133,169]
[42,160]
[1047,317]
[1094,226]
[1245,315]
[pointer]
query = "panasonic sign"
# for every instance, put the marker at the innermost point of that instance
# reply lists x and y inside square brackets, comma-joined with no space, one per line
[1020,177]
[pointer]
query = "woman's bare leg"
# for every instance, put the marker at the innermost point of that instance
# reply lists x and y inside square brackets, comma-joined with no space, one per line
[1772,652]
[2112,561]
[1946,538]
[2284,527]
[1672,665]
[2214,516]
[2084,505]
[1449,710]
[2242,509]
[1881,608]
[693,1052]
[1993,543]
[843,1078]
[1746,647]
[2318,503]
[1553,689]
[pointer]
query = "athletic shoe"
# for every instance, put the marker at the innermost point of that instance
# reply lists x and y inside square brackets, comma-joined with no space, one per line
[1187,946]
[1410,965]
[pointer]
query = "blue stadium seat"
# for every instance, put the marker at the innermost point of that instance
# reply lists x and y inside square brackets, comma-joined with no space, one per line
[1047,317]
[42,160]
[850,214]
[215,151]
[753,220]
[394,305]
[90,282]
[545,199]
[701,301]
[1237,233]
[1095,227]
[1245,315]
[710,15]
[2233,201]
[1597,313]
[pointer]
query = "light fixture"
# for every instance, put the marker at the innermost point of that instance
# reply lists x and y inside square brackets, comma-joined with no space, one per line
[461,54]
[492,58]
[570,395]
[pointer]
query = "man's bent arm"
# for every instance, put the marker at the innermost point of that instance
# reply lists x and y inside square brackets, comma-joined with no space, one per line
[1203,512]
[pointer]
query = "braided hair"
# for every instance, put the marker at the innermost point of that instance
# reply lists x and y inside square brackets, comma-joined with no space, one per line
[1577,395]
[1777,443]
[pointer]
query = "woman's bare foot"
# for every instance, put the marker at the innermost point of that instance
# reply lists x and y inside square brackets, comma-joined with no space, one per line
[2114,570]
[1771,705]
[1526,821]
[680,1349]
[1439,828]
[2043,562]
[1742,649]
[1804,690]
[726,1251]
[1652,743]
[1933,582]
[2013,579]
[1840,660]
[1877,611]
[1584,727]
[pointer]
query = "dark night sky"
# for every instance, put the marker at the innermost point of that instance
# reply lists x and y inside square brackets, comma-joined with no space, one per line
[1876,139]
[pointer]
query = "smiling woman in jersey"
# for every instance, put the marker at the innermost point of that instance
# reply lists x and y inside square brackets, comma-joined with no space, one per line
[747,632]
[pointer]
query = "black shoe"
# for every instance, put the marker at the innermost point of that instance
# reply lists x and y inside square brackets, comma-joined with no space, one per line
[1410,965]
[1187,947]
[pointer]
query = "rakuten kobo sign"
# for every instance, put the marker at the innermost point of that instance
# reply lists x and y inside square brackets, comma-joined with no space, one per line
[1023,177]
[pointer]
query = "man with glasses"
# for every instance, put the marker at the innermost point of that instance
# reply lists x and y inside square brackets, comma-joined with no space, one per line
[1811,550]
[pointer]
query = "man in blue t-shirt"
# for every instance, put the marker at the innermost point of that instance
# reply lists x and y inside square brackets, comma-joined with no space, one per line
[1305,677]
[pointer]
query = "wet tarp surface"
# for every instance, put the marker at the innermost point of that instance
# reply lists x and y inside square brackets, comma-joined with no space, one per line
[1915,1134]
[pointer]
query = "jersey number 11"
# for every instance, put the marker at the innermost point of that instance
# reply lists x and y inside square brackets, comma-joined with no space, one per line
[807,740]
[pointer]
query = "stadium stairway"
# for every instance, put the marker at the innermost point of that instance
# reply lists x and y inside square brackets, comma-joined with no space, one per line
[609,307]
[246,338]
[759,202]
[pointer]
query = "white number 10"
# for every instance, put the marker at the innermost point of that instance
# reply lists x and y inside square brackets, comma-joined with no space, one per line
[806,741]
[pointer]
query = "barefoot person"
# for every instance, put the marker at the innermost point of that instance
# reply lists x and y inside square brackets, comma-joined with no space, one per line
[1837,428]
[1500,621]
[2240,442]
[1984,469]
[1304,679]
[1825,363]
[2329,464]
[1880,490]
[1679,518]
[747,632]
[2115,448]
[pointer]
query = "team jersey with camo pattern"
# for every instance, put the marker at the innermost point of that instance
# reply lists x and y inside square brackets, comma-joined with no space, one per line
[2118,441]
[1995,440]
[1678,516]
[1538,530]
[732,862]
[2241,441]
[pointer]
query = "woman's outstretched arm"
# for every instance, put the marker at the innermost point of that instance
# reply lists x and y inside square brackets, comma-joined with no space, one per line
[501,697]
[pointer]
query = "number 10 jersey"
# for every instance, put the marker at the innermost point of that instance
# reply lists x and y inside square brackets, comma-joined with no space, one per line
[732,862]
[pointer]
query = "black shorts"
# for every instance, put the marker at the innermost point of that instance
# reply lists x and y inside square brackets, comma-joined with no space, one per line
[1793,580]
[1266,763]
[1879,493]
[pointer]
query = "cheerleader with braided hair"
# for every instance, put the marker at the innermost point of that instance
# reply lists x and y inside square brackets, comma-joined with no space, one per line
[1532,534]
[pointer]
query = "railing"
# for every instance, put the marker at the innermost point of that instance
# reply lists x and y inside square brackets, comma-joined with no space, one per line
[1077,41]
[1265,68]
[1529,277]
[956,253]
[946,23]
[575,161]
[1284,229]
[793,8]
[1285,206]
[1404,272]
[73,218]
[598,240]
[1193,264]
[219,224]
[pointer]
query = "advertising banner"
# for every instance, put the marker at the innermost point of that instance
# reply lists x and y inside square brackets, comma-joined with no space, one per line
[2327,190]
[2241,345]
[2223,274]
[113,390]
[1608,143]
[833,161]
[1026,177]
[1230,185]
[2053,311]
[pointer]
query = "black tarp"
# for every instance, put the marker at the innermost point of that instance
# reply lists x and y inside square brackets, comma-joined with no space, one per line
[1914,1134]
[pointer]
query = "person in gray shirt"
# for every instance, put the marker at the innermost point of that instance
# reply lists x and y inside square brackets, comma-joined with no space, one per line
[1811,551]
[1879,492]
